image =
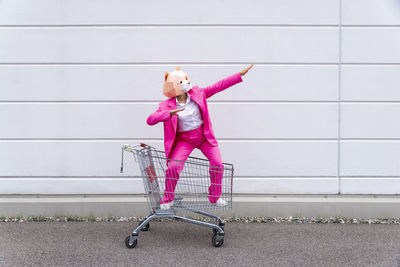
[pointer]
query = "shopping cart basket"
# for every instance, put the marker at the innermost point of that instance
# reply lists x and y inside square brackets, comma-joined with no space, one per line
[191,191]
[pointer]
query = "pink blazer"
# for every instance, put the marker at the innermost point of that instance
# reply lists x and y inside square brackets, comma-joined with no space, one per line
[198,95]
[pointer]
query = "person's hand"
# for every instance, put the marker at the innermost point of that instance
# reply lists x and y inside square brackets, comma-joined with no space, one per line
[175,112]
[243,72]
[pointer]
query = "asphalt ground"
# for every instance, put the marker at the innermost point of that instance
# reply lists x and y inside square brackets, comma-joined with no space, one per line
[182,244]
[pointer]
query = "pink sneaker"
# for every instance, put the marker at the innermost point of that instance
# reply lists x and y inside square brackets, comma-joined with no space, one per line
[220,203]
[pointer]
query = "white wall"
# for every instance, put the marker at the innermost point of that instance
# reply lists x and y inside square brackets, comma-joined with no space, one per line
[317,114]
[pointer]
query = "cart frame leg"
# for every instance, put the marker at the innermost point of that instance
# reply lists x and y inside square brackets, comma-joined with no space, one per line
[206,224]
[151,216]
[142,225]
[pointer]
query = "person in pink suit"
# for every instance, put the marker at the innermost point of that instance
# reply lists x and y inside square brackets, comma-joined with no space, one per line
[187,125]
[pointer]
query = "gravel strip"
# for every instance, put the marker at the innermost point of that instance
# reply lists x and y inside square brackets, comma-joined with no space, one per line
[289,219]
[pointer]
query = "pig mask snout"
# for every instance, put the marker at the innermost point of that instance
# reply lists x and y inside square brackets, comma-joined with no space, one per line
[186,86]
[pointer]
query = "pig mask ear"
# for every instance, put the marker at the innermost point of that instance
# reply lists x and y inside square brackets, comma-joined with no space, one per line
[168,89]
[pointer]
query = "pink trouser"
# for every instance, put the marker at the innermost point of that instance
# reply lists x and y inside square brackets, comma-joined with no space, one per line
[185,143]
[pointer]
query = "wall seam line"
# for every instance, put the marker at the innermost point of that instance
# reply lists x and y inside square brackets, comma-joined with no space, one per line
[339,99]
[187,25]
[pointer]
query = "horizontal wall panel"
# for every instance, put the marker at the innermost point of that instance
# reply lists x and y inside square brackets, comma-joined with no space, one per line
[260,185]
[58,185]
[275,120]
[83,120]
[164,44]
[128,120]
[366,120]
[297,185]
[103,158]
[370,158]
[370,83]
[370,45]
[144,82]
[72,12]
[370,12]
[370,185]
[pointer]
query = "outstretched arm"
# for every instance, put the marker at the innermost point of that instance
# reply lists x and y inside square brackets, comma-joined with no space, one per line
[158,116]
[225,83]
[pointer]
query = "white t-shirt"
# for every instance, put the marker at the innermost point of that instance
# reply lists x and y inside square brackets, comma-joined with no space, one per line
[189,118]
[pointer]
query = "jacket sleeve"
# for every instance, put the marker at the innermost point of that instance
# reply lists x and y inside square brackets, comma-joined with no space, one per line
[222,84]
[158,116]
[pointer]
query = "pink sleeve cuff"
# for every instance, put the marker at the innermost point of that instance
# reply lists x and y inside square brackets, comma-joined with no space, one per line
[239,77]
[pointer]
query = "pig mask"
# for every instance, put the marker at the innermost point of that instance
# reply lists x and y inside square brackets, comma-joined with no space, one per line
[176,83]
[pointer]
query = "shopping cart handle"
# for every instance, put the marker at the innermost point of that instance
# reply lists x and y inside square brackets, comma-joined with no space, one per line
[130,148]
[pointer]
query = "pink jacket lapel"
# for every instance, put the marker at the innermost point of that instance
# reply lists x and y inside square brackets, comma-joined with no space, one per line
[194,95]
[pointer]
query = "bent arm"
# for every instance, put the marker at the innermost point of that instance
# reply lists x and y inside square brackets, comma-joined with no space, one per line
[222,84]
[158,116]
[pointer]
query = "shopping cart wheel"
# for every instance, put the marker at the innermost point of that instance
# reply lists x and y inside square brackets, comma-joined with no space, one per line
[220,225]
[128,245]
[217,243]
[146,228]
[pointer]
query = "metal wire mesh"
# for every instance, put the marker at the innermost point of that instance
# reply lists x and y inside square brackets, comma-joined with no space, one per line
[192,180]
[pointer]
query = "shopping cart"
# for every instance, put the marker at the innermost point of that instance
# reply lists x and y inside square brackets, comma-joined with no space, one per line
[191,191]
